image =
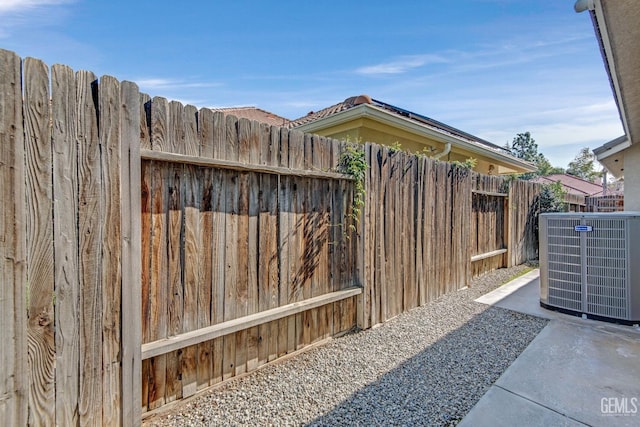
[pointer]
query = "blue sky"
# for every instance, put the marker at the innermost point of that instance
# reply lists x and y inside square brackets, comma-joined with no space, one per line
[493,68]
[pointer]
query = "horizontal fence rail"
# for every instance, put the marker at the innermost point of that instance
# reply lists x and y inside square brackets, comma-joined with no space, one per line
[238,166]
[225,328]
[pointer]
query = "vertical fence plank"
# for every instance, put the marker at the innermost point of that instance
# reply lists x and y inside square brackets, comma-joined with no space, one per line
[324,235]
[231,245]
[231,271]
[219,137]
[146,214]
[13,333]
[219,212]
[269,204]
[367,265]
[285,335]
[65,212]
[259,224]
[242,283]
[334,231]
[377,233]
[386,252]
[191,250]
[419,215]
[175,212]
[231,143]
[388,295]
[255,287]
[159,274]
[109,119]
[313,239]
[131,176]
[40,274]
[296,161]
[90,217]
[381,163]
[205,253]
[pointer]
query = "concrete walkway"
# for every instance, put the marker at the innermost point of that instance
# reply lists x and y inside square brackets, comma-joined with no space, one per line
[576,372]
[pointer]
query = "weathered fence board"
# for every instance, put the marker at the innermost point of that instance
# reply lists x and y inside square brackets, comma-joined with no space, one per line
[192,248]
[65,189]
[90,230]
[40,272]
[131,219]
[159,273]
[14,376]
[111,246]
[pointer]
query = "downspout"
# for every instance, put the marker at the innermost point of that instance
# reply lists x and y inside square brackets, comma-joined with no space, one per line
[582,5]
[447,150]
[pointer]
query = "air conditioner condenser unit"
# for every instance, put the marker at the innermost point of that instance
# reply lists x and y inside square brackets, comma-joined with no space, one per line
[590,264]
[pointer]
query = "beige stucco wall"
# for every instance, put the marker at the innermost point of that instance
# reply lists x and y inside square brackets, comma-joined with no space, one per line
[367,130]
[632,178]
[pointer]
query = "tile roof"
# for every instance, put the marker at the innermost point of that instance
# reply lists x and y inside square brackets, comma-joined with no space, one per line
[571,184]
[329,111]
[254,113]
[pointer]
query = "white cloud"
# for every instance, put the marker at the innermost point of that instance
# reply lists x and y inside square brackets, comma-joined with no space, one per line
[10,6]
[402,64]
[484,57]
[18,17]
[154,83]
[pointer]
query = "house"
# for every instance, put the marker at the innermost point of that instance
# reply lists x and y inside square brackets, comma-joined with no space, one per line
[572,184]
[361,118]
[616,27]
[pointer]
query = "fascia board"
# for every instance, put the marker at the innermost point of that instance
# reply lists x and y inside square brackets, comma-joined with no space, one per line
[606,150]
[603,35]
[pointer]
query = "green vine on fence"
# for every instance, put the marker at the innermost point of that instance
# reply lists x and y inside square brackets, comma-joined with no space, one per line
[353,162]
[468,164]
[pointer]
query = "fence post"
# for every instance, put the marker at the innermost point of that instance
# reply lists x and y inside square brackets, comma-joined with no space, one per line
[363,242]
[13,333]
[131,255]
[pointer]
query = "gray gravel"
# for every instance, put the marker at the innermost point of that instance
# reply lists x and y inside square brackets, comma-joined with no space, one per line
[425,367]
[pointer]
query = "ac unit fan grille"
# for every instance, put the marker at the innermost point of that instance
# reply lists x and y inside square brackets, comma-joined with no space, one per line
[606,265]
[564,264]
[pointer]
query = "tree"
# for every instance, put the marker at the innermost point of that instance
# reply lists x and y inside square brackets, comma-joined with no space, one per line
[552,198]
[584,165]
[524,147]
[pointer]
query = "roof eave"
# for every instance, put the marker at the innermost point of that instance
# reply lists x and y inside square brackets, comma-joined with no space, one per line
[371,111]
[601,29]
[611,155]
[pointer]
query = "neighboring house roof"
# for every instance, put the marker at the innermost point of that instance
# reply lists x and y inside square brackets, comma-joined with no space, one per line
[365,106]
[616,26]
[254,113]
[571,184]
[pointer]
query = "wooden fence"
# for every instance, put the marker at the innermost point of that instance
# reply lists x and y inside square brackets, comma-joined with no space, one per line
[150,249]
[245,237]
[611,203]
[428,227]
